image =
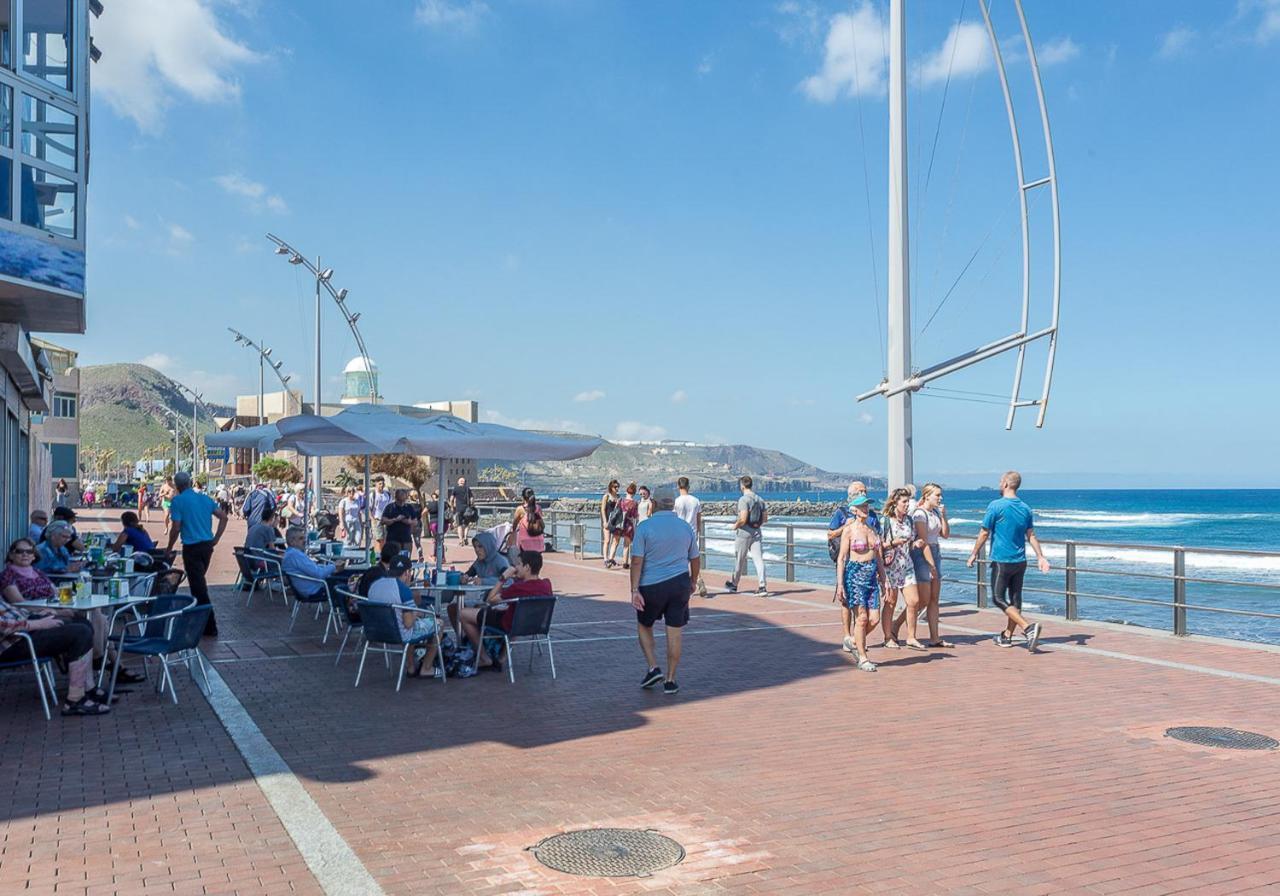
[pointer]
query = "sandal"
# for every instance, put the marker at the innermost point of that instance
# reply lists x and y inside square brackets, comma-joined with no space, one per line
[915,645]
[99,695]
[892,644]
[85,706]
[941,644]
[127,677]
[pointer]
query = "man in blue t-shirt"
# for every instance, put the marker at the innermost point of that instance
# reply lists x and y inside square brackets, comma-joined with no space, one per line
[1010,524]
[191,515]
[664,570]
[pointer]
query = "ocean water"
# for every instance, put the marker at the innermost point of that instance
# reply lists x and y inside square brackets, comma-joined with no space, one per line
[1124,550]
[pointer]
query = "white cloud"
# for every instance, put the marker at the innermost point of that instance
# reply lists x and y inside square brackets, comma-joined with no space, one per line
[459,15]
[180,239]
[1267,27]
[1176,43]
[257,194]
[865,419]
[635,431]
[160,361]
[132,223]
[965,51]
[853,57]
[1055,52]
[589,395]
[706,66]
[545,425]
[799,22]
[153,50]
[679,396]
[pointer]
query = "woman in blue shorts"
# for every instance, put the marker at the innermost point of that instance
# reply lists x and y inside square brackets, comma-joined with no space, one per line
[861,566]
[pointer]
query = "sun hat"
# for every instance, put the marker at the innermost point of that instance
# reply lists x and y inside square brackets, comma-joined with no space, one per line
[859,500]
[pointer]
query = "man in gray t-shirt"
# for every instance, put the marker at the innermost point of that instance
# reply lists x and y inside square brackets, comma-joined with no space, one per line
[748,540]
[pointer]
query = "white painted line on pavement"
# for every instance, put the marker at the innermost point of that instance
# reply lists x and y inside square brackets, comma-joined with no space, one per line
[335,865]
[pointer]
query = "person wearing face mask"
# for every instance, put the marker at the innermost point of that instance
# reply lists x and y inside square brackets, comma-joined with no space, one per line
[860,577]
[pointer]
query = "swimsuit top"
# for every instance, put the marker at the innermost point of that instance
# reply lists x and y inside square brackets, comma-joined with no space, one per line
[858,547]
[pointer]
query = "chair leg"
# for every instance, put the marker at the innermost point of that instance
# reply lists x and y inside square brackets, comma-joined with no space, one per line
[511,667]
[40,682]
[293,617]
[552,656]
[115,671]
[404,656]
[173,687]
[343,645]
[204,672]
[444,673]
[328,621]
[360,669]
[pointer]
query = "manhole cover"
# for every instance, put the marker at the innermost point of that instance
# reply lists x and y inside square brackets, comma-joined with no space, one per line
[1228,738]
[609,852]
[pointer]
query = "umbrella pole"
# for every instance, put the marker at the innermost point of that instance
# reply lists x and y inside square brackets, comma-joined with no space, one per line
[368,508]
[440,513]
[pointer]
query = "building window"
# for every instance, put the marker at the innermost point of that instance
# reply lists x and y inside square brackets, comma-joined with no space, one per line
[46,39]
[48,202]
[64,460]
[48,133]
[6,114]
[6,33]
[64,404]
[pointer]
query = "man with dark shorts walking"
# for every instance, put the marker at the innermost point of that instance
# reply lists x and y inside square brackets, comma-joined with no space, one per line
[191,515]
[664,568]
[1010,524]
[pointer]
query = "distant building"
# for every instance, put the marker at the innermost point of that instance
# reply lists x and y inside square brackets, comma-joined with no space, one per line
[44,172]
[359,382]
[56,439]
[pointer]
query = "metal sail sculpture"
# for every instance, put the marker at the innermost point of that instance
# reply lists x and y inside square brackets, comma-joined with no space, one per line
[901,379]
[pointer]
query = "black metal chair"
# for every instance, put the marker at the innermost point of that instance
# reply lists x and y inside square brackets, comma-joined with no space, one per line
[342,600]
[254,571]
[382,627]
[531,621]
[179,642]
[322,598]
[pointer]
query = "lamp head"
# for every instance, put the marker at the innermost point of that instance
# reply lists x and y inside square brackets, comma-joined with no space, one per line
[342,294]
[281,250]
[326,275]
[355,317]
[295,259]
[266,353]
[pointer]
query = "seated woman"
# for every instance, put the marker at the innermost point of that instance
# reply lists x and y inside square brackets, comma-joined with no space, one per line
[393,588]
[53,554]
[489,565]
[380,570]
[133,535]
[21,580]
[521,580]
[55,637]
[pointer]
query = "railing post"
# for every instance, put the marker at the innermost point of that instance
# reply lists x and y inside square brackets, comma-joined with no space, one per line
[1073,609]
[1179,591]
[702,542]
[791,553]
[981,567]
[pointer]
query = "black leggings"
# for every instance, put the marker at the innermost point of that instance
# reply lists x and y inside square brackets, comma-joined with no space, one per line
[72,640]
[1006,584]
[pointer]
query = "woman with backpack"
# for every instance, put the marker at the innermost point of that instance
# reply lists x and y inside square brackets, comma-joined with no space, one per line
[608,509]
[630,510]
[527,524]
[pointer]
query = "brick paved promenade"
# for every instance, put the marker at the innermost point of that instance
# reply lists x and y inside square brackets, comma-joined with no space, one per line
[779,767]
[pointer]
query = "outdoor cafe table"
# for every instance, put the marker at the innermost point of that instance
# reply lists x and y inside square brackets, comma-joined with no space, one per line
[94,602]
[461,592]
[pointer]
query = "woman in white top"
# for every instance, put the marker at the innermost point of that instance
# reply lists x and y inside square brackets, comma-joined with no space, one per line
[900,574]
[644,506]
[930,518]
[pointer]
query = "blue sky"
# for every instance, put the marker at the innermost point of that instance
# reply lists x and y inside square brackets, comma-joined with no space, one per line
[646,219]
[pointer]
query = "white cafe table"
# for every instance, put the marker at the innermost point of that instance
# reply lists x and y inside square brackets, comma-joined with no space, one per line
[461,591]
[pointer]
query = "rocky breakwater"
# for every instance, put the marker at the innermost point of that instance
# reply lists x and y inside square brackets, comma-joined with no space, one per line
[777,509]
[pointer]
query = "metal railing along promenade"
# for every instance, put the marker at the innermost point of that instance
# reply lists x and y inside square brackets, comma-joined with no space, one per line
[581,531]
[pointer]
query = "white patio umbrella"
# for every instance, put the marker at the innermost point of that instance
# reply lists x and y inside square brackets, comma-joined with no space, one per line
[376,429]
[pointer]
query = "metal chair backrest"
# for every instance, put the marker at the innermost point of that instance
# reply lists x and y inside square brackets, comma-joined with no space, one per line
[381,624]
[532,616]
[142,585]
[312,595]
[165,603]
[188,628]
[168,581]
[247,572]
[341,599]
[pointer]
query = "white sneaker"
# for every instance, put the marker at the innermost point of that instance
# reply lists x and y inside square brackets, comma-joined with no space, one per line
[848,644]
[866,665]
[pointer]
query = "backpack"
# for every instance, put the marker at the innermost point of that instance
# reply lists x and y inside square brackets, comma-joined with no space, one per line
[618,518]
[755,514]
[833,544]
[533,524]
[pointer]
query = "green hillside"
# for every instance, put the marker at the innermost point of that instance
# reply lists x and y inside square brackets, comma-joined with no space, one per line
[121,410]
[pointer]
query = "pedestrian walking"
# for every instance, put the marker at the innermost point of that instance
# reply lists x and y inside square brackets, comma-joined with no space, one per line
[191,515]
[665,564]
[860,574]
[897,536]
[350,515]
[644,504]
[842,517]
[629,507]
[167,491]
[1009,523]
[378,502]
[144,503]
[748,539]
[689,509]
[528,525]
[610,534]
[258,501]
[930,518]
[462,504]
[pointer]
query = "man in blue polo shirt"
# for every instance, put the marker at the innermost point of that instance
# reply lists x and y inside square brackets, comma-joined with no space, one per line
[191,515]
[1010,524]
[664,570]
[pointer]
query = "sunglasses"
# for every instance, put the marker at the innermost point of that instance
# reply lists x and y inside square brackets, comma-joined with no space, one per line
[23,551]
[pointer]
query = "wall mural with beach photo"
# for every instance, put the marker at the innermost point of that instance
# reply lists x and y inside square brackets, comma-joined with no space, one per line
[41,261]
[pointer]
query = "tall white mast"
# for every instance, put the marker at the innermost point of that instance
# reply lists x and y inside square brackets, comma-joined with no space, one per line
[901,460]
